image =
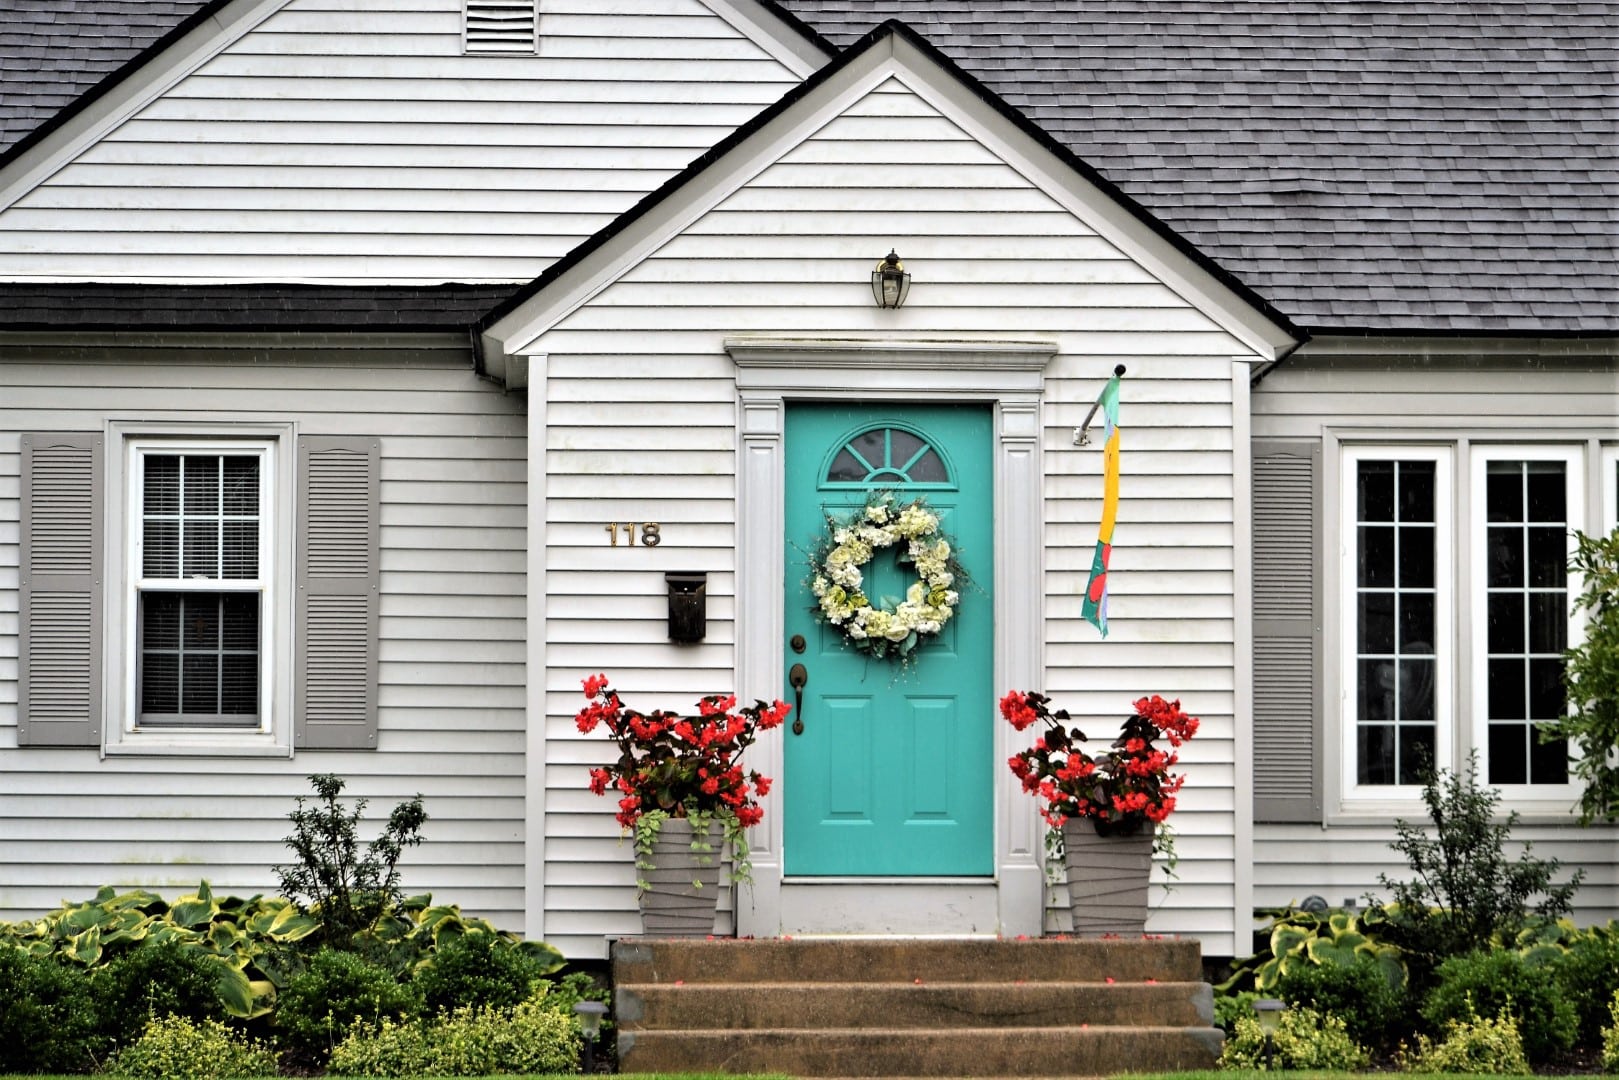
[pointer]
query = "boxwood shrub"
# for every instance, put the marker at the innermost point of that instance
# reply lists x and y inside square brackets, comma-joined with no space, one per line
[1499,981]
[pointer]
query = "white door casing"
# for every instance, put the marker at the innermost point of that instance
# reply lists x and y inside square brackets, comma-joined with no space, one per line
[1009,375]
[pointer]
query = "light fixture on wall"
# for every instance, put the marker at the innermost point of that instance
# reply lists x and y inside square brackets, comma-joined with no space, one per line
[890,282]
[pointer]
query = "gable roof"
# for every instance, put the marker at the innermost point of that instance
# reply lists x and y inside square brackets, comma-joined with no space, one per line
[1376,166]
[892,47]
[1363,164]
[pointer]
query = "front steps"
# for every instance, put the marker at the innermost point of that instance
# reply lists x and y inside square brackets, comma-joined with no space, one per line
[831,1007]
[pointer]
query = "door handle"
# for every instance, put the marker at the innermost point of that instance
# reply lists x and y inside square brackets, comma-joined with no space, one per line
[797,678]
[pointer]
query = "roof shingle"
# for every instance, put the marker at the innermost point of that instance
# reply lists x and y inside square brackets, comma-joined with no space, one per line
[1382,165]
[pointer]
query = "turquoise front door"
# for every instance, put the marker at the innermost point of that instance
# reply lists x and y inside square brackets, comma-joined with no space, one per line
[891,773]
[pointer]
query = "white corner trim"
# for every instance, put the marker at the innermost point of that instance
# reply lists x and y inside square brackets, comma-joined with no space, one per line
[152,80]
[772,373]
[535,657]
[791,49]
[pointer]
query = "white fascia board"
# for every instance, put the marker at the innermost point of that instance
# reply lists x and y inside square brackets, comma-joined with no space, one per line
[155,78]
[770,32]
[1090,204]
[517,331]
[1474,347]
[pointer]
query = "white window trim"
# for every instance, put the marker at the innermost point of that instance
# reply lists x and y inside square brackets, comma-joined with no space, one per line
[1609,471]
[126,441]
[1395,797]
[1528,798]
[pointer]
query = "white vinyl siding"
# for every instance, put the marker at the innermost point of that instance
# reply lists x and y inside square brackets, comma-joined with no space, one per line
[641,422]
[335,144]
[1501,396]
[451,722]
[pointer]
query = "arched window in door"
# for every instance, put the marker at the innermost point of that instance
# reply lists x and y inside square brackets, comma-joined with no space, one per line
[887,456]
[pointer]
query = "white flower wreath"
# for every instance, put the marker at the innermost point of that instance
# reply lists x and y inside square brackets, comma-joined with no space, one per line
[886,628]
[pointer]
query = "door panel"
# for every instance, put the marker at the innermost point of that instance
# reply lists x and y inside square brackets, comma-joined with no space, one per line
[892,775]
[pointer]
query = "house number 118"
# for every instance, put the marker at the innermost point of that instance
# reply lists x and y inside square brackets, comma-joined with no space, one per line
[651,533]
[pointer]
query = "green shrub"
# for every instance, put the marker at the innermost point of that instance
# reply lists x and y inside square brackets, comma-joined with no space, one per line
[47,1015]
[1466,891]
[476,969]
[348,890]
[1588,974]
[1610,1038]
[1477,1045]
[576,986]
[1497,981]
[531,1037]
[338,991]
[1228,1007]
[153,982]
[396,1048]
[1360,994]
[176,1048]
[1305,1039]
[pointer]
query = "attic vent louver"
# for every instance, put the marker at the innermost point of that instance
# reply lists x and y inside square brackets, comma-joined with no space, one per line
[500,26]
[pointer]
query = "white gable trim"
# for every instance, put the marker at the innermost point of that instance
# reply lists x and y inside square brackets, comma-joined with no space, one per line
[770,32]
[897,58]
[152,80]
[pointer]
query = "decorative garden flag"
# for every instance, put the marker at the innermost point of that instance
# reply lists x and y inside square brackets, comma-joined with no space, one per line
[1095,606]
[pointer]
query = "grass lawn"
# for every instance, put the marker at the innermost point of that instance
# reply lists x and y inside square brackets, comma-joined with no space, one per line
[1215,1074]
[531,1076]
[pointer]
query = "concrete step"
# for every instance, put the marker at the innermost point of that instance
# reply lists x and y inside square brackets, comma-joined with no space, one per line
[644,961]
[959,1052]
[919,1004]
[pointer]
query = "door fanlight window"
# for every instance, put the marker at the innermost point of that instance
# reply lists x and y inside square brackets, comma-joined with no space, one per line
[887,456]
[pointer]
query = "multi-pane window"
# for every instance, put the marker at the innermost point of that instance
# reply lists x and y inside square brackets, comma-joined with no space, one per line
[1396,619]
[199,585]
[1526,514]
[1448,592]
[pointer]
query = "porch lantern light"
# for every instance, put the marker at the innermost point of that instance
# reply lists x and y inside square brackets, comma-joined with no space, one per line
[890,282]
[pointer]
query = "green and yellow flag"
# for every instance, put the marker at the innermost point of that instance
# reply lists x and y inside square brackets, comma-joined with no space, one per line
[1095,607]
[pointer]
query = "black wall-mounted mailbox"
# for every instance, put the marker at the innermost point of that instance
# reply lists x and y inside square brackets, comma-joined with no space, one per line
[688,607]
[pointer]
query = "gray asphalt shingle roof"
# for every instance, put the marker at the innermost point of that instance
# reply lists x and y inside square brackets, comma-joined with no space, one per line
[52,51]
[1386,165]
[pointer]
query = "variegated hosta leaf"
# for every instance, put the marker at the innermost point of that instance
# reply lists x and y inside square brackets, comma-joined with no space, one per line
[85,947]
[1286,939]
[539,950]
[1339,951]
[196,910]
[1271,970]
[240,996]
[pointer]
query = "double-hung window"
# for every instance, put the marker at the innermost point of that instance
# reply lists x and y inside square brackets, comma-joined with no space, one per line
[1455,612]
[201,575]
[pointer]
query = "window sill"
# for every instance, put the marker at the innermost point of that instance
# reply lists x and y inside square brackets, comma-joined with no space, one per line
[198,744]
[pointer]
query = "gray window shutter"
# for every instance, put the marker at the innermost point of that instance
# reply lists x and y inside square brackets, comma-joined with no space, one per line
[335,697]
[59,678]
[1287,631]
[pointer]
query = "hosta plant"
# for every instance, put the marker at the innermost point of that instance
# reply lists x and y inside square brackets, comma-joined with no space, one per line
[1295,939]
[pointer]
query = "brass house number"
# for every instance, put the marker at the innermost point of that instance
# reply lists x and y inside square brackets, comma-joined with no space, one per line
[651,533]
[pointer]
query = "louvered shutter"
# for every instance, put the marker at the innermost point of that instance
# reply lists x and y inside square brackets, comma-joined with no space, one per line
[59,677]
[1287,631]
[335,697]
[500,26]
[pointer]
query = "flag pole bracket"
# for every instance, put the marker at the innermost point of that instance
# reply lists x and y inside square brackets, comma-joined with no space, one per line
[1082,434]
